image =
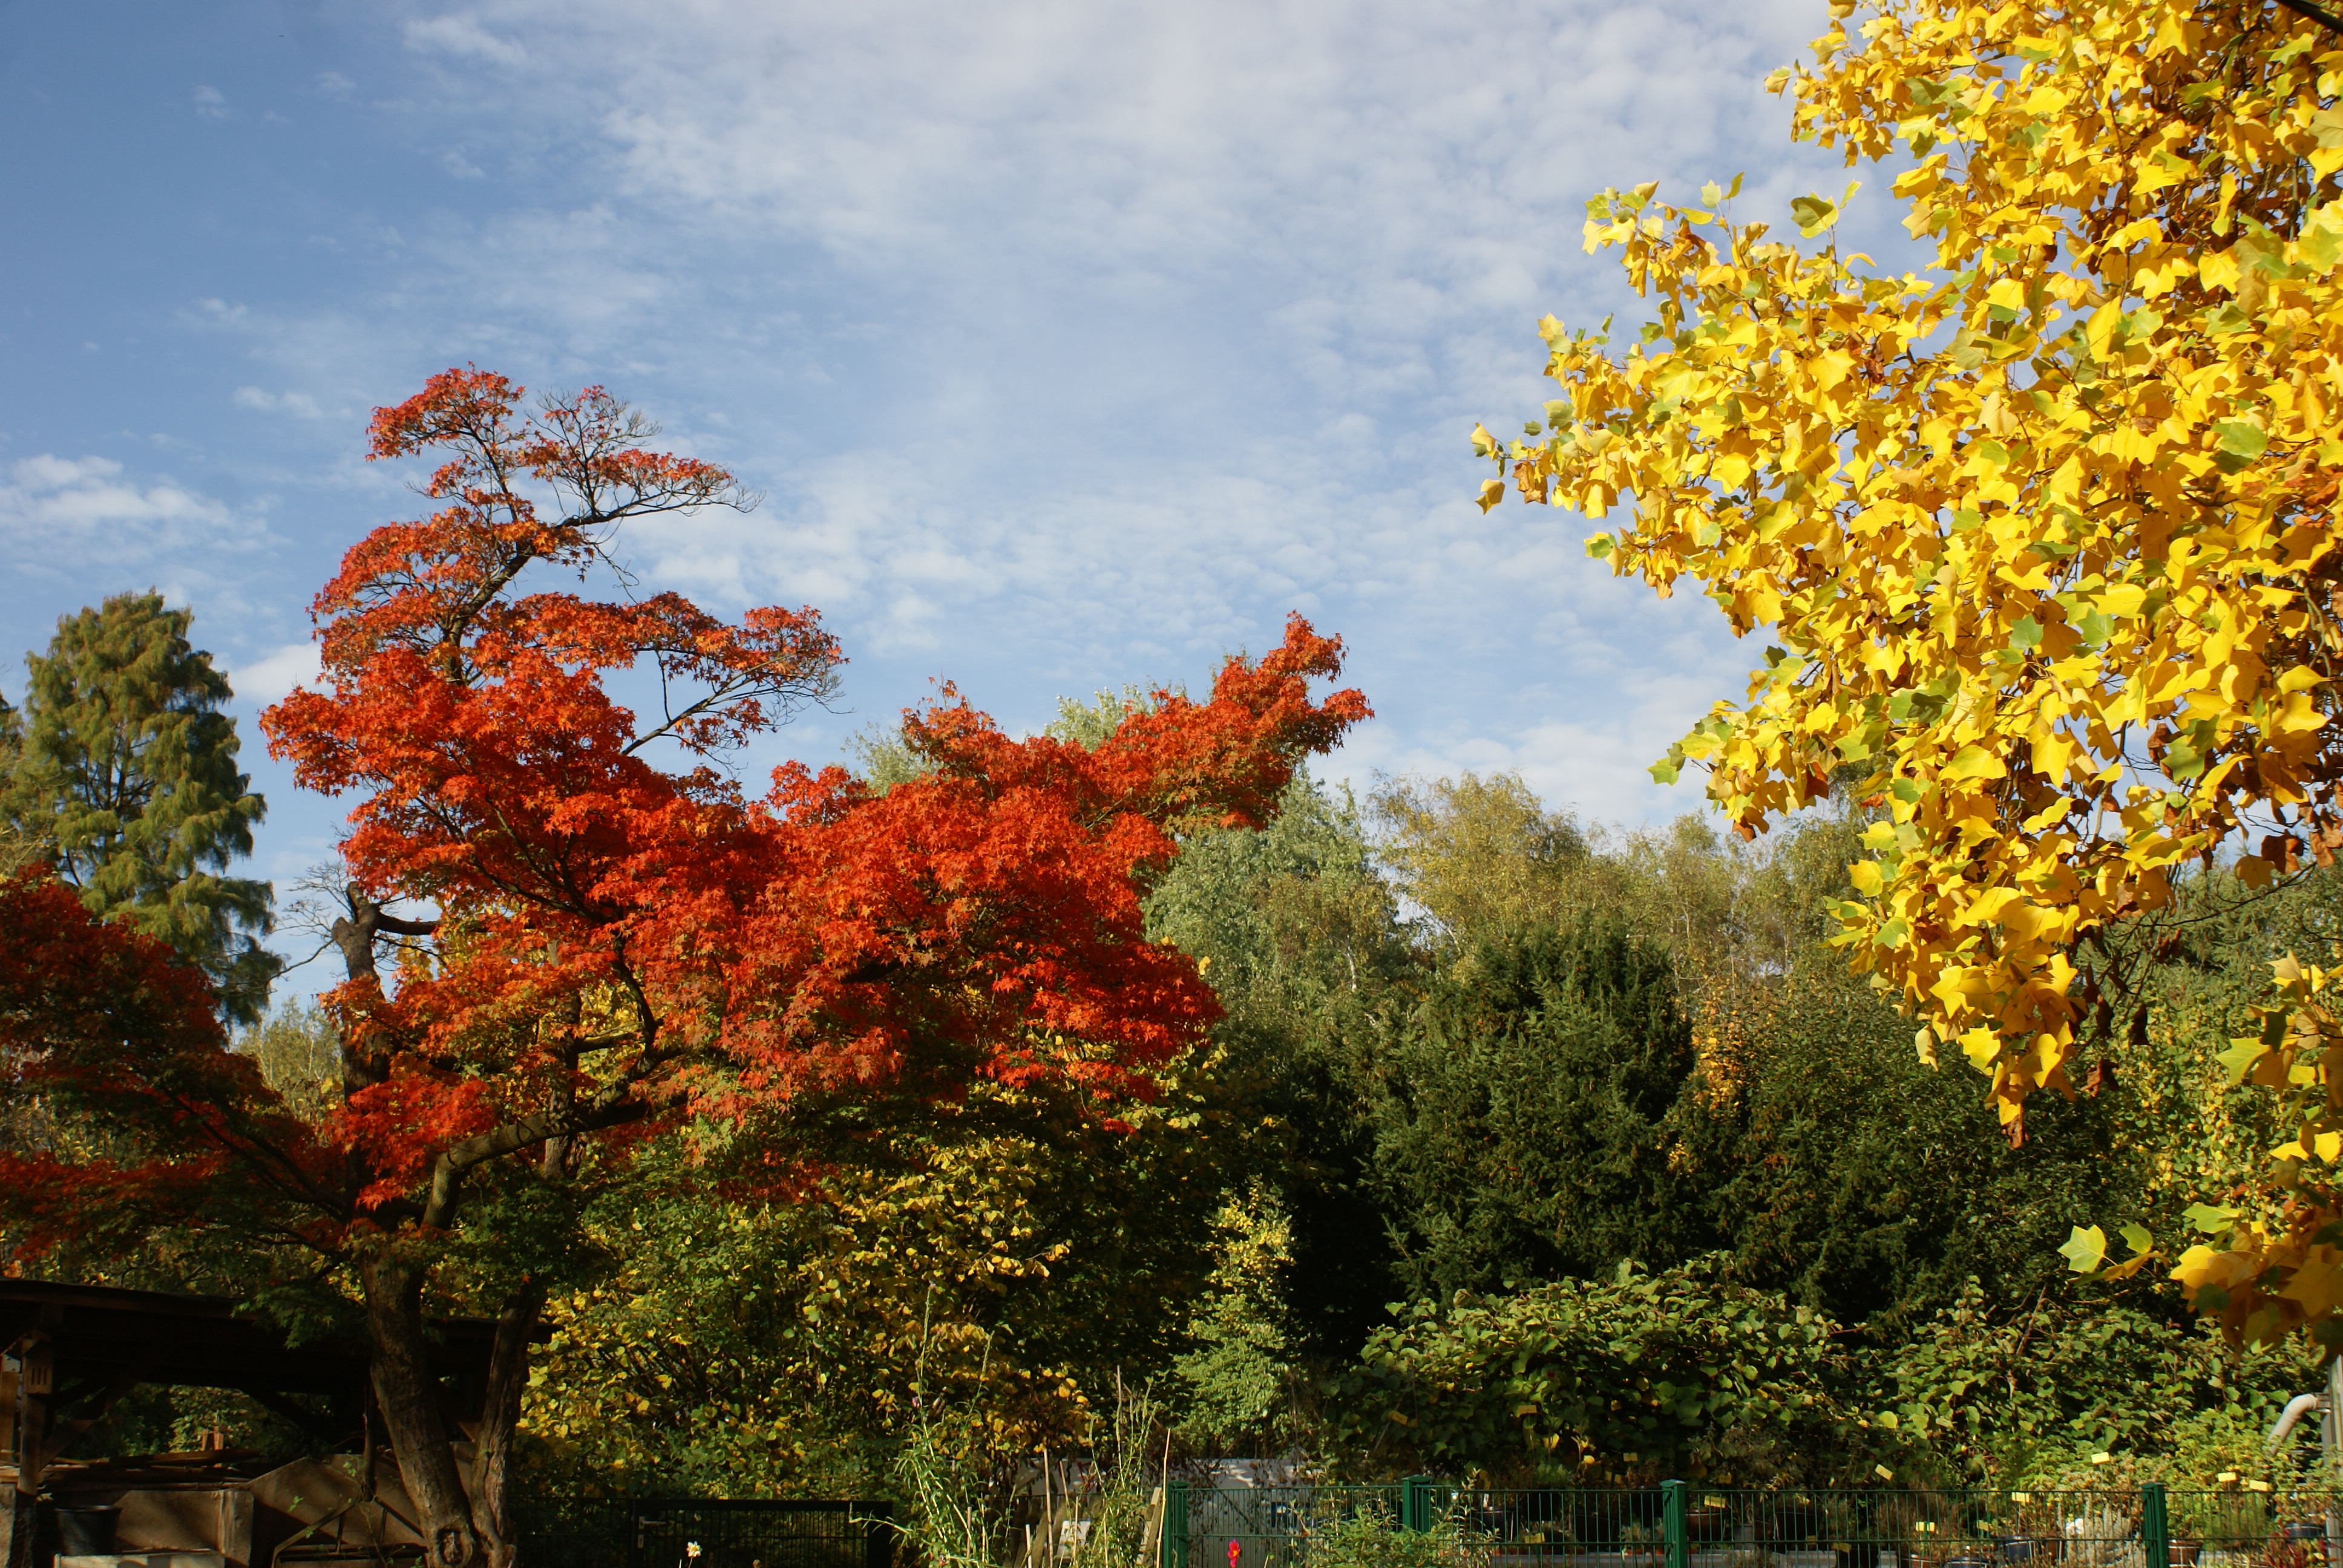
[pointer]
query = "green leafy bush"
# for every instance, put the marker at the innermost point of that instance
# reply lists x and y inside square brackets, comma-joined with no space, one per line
[1636,1377]
[1368,1537]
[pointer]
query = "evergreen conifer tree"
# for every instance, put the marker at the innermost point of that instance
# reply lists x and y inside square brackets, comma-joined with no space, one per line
[122,765]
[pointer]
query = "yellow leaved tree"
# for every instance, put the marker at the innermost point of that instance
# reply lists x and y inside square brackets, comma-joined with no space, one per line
[2045,533]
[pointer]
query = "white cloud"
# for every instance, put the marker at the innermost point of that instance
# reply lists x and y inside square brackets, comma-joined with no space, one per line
[268,678]
[1076,344]
[211,104]
[78,527]
[1388,132]
[463,37]
[299,404]
[75,529]
[53,498]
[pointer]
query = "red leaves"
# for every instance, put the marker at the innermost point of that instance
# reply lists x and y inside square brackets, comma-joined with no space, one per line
[987,916]
[470,409]
[438,585]
[1227,761]
[72,986]
[103,1028]
[981,921]
[400,1125]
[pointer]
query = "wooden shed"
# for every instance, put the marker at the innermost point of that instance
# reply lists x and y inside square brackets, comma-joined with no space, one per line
[72,1352]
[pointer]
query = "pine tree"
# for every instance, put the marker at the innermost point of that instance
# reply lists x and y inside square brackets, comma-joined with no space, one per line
[122,764]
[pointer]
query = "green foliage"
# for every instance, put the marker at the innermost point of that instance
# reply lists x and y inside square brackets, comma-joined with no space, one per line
[1481,856]
[2200,967]
[1522,1115]
[1633,1048]
[1486,860]
[123,766]
[1369,1536]
[885,759]
[2036,1393]
[1642,1375]
[1840,1169]
[1089,724]
[1301,933]
[299,1054]
[1529,1122]
[951,1519]
[1124,1449]
[770,1303]
[1237,1383]
[166,1418]
[1302,941]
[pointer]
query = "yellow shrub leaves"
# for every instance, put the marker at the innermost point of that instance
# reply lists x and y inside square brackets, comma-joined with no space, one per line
[2278,1266]
[2043,534]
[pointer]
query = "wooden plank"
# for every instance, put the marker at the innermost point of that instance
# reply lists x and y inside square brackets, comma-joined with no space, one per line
[47,1293]
[32,1378]
[15,1529]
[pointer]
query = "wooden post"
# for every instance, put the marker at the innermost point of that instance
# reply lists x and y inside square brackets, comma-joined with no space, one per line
[9,1533]
[28,1433]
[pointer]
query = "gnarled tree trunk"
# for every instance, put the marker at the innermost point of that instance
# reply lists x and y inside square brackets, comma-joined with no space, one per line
[409,1397]
[500,1416]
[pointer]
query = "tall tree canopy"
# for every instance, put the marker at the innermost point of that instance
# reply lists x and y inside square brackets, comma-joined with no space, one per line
[596,946]
[123,769]
[2045,533]
[1521,1127]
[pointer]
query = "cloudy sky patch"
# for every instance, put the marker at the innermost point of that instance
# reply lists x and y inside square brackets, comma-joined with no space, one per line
[1071,346]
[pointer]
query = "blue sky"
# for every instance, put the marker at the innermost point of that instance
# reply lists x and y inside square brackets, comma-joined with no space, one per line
[1071,344]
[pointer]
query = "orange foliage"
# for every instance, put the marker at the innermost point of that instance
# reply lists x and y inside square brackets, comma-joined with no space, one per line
[640,941]
[104,1026]
[611,943]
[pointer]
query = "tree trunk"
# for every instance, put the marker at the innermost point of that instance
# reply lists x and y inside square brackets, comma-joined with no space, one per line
[408,1398]
[500,1415]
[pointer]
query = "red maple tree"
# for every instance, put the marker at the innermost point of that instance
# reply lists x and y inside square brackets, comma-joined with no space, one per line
[604,934]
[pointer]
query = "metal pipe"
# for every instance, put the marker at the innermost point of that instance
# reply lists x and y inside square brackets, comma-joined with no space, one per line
[2301,1405]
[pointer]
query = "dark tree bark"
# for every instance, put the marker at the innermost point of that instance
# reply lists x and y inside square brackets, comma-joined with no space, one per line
[364,1057]
[409,1397]
[463,1528]
[500,1416]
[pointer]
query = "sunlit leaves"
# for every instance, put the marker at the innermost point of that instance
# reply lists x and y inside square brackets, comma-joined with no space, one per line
[620,927]
[2273,1265]
[2043,531]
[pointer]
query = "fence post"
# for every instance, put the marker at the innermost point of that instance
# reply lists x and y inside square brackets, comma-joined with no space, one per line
[1672,1524]
[1415,1503]
[2154,1525]
[1173,1550]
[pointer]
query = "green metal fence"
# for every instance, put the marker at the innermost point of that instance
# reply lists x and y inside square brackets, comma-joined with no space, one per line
[1679,1525]
[702,1533]
[694,1532]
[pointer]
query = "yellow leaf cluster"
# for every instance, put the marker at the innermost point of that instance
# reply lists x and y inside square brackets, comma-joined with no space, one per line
[2265,1275]
[2045,533]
